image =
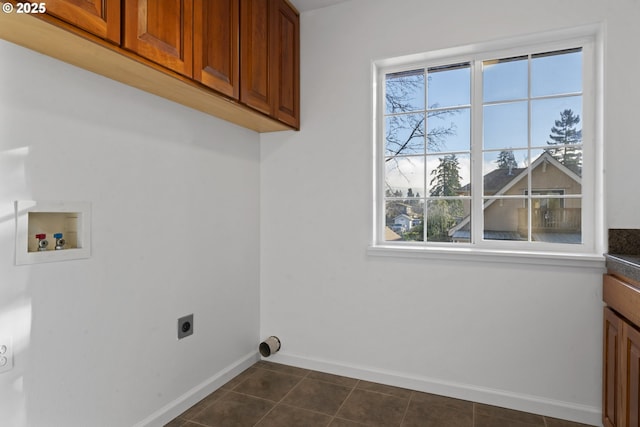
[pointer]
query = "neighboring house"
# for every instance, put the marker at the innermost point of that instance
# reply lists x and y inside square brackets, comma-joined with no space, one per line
[555,220]
[401,207]
[403,222]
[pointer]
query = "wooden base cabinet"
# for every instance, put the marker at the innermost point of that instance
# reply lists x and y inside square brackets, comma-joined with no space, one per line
[630,373]
[611,368]
[621,360]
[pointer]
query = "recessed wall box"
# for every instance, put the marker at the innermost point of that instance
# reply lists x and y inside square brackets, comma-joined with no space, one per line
[185,326]
[41,225]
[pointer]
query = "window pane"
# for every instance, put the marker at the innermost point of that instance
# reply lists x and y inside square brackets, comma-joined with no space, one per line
[556,120]
[448,175]
[571,159]
[556,220]
[404,134]
[404,91]
[505,219]
[505,79]
[503,170]
[449,130]
[505,125]
[403,220]
[556,73]
[530,144]
[404,177]
[449,86]
[448,220]
[559,170]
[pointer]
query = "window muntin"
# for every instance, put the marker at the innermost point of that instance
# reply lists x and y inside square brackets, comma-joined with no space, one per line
[519,104]
[427,151]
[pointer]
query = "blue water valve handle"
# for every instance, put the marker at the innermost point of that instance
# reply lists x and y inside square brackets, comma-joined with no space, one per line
[59,241]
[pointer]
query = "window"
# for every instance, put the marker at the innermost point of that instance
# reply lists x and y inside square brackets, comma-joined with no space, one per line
[494,150]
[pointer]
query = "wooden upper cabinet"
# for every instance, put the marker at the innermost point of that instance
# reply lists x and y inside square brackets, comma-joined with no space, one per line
[255,90]
[269,59]
[238,59]
[286,66]
[98,17]
[161,31]
[216,44]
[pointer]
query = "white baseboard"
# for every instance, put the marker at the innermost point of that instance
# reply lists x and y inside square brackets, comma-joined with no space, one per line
[171,410]
[522,402]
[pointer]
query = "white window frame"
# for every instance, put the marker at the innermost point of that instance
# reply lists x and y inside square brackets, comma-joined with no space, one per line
[590,252]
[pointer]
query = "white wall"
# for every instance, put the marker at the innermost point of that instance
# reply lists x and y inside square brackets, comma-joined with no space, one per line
[527,337]
[175,231]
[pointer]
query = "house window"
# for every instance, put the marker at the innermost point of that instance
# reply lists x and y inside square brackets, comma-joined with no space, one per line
[492,150]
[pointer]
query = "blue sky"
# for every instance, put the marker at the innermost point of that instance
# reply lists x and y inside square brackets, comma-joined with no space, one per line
[555,85]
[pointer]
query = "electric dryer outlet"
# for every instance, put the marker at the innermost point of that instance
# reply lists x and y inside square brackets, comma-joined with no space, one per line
[185,326]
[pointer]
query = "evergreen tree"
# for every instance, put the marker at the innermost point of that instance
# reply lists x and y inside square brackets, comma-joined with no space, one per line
[564,138]
[506,160]
[446,177]
[443,213]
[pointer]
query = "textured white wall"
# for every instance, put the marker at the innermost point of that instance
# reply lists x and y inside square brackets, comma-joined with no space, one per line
[523,336]
[175,228]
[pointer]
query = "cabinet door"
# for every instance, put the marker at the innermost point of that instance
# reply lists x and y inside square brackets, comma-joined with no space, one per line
[630,416]
[98,17]
[161,31]
[611,368]
[215,45]
[255,87]
[286,63]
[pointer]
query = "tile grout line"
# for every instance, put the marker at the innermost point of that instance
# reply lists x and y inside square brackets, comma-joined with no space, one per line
[386,394]
[308,375]
[473,414]
[283,397]
[196,423]
[345,400]
[224,392]
[406,410]
[335,415]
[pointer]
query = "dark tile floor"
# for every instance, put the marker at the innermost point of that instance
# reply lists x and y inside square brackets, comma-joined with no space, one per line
[274,395]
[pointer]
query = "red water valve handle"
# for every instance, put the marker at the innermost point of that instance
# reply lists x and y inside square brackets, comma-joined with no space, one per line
[40,236]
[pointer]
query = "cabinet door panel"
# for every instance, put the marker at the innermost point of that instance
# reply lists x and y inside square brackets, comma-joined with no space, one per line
[161,31]
[98,17]
[255,89]
[215,45]
[631,383]
[287,63]
[611,368]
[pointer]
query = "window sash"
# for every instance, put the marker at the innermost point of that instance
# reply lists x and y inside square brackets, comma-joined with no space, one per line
[590,180]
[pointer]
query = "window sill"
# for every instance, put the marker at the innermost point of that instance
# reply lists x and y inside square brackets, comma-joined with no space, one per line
[558,259]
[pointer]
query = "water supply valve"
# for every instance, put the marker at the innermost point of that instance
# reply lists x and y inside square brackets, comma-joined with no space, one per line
[59,241]
[42,241]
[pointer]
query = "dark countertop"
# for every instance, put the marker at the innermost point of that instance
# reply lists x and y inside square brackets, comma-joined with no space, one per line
[624,252]
[624,265]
